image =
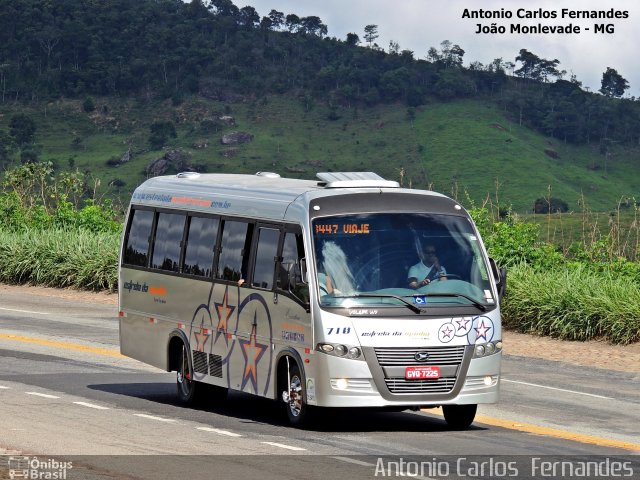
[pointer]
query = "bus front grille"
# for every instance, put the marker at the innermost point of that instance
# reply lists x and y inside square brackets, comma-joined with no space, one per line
[393,361]
[401,385]
[402,356]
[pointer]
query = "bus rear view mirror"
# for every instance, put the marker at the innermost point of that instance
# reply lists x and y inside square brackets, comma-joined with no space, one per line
[303,271]
[298,275]
[500,276]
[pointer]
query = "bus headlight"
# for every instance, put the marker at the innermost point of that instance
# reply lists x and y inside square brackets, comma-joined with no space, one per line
[486,349]
[340,350]
[354,352]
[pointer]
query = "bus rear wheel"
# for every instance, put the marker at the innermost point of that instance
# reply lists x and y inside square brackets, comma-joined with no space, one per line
[459,417]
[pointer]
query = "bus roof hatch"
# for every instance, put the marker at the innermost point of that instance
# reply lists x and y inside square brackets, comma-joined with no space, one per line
[354,180]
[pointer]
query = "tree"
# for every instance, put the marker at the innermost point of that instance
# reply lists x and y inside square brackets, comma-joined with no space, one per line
[370,33]
[433,55]
[292,22]
[249,18]
[613,84]
[88,105]
[451,54]
[161,131]
[352,39]
[313,26]
[550,205]
[530,64]
[6,148]
[277,19]
[225,8]
[22,128]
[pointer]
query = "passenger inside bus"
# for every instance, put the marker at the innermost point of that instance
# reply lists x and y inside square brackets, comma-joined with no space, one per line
[336,279]
[427,270]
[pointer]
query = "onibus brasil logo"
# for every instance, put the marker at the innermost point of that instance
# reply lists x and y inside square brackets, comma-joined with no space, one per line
[38,469]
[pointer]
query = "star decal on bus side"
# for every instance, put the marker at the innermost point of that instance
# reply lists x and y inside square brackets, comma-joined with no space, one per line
[201,338]
[224,311]
[252,352]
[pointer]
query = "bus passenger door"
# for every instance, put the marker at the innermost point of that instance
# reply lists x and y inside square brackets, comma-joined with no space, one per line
[252,355]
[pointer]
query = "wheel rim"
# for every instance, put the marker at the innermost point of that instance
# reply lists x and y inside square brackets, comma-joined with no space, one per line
[184,380]
[295,396]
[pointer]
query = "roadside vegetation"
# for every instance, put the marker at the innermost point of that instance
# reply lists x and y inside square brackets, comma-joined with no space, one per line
[585,290]
[55,233]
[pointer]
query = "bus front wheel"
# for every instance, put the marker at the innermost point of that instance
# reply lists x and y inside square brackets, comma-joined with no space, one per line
[459,417]
[294,398]
[187,386]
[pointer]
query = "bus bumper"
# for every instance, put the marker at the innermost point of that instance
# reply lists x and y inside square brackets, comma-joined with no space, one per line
[355,385]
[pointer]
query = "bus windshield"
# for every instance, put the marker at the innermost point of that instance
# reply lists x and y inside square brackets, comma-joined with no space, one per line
[414,260]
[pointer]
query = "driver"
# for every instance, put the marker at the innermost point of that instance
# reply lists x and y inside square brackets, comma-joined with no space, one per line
[427,270]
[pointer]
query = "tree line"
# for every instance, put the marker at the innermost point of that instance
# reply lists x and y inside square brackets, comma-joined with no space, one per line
[169,49]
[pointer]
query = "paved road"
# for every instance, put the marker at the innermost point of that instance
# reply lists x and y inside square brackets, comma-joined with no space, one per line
[65,393]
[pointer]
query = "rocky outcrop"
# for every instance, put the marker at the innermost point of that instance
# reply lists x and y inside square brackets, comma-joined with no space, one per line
[178,159]
[235,138]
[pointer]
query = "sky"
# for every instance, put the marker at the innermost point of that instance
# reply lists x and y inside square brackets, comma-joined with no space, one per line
[419,24]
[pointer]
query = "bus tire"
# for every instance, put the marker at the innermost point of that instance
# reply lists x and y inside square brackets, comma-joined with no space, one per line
[187,387]
[459,417]
[298,411]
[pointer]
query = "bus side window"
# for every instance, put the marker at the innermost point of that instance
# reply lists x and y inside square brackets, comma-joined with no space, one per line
[137,243]
[266,252]
[167,242]
[201,241]
[292,252]
[234,250]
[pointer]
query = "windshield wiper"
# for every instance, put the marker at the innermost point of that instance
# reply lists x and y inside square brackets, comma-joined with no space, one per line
[409,305]
[471,299]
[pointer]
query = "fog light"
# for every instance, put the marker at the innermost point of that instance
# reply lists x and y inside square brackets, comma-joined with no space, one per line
[341,383]
[488,380]
[479,350]
[326,347]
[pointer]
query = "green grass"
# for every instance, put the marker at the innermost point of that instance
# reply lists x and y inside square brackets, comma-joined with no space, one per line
[457,147]
[60,258]
[573,304]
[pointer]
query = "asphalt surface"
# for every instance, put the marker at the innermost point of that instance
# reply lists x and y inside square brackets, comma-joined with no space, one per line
[114,417]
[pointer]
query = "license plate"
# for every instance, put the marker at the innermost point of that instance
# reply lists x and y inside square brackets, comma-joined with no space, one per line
[422,373]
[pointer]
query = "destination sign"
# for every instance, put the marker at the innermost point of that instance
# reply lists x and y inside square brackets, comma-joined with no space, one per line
[344,229]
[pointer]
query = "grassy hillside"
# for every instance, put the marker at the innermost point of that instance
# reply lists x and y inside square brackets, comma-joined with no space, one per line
[457,147]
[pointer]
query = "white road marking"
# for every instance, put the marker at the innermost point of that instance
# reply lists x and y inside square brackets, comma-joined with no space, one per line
[151,417]
[281,445]
[2,387]
[24,311]
[91,405]
[221,432]
[559,389]
[44,395]
[353,460]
